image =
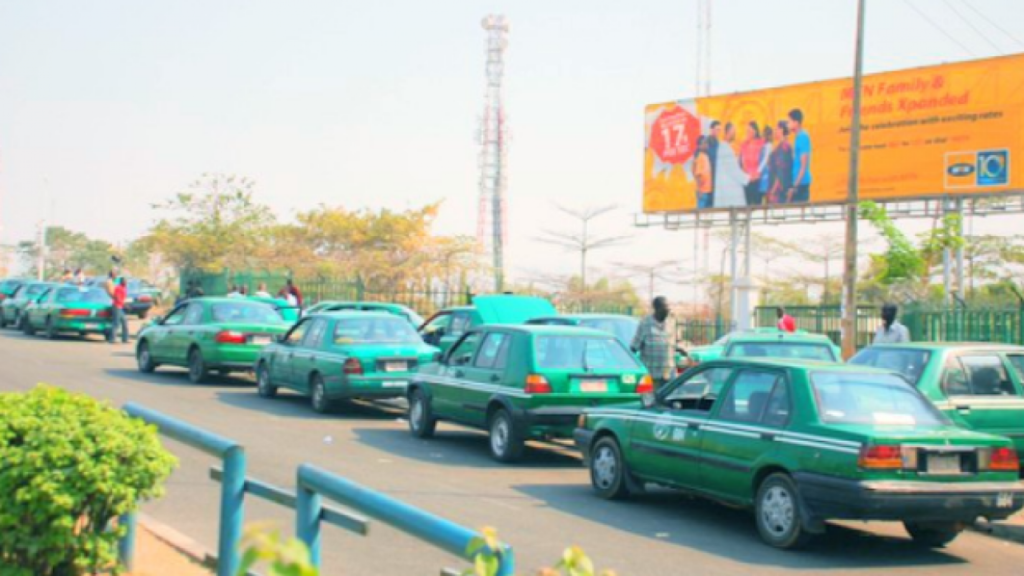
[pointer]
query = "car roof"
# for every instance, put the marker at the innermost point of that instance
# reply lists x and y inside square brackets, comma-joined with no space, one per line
[387,305]
[354,314]
[951,346]
[817,365]
[779,337]
[546,330]
[599,316]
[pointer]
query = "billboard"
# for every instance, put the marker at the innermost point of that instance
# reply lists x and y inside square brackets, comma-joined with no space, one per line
[955,129]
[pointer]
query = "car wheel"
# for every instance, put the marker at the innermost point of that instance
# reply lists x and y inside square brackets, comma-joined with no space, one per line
[608,469]
[263,386]
[933,534]
[142,315]
[26,328]
[318,395]
[421,422]
[3,320]
[778,515]
[51,330]
[506,446]
[197,370]
[145,358]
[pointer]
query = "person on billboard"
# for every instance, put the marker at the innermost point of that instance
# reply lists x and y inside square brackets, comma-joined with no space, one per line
[713,139]
[729,179]
[801,188]
[702,173]
[764,173]
[750,162]
[781,166]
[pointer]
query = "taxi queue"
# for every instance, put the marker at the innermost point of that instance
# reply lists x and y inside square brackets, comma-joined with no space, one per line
[923,434]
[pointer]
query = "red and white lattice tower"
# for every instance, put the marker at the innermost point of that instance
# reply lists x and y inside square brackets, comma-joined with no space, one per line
[493,138]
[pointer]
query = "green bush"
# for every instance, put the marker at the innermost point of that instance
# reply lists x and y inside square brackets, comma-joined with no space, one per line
[70,464]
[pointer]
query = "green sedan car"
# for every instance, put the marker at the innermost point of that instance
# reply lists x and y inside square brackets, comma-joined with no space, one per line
[768,342]
[523,382]
[803,442]
[209,334]
[978,386]
[69,309]
[335,356]
[8,286]
[12,307]
[340,306]
[447,326]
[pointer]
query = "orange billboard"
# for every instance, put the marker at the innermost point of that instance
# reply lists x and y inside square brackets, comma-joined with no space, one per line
[949,130]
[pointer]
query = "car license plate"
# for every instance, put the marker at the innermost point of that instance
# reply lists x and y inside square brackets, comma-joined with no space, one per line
[393,384]
[261,340]
[593,386]
[396,366]
[1004,500]
[944,464]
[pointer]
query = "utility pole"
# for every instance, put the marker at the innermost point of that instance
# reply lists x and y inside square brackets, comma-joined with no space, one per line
[849,323]
[40,249]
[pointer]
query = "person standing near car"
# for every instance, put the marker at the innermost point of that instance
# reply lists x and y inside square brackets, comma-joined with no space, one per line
[120,319]
[294,291]
[261,291]
[655,342]
[891,331]
[786,322]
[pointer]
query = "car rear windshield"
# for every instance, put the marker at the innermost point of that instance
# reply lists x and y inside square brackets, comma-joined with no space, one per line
[872,399]
[908,362]
[622,328]
[792,350]
[35,289]
[583,354]
[82,295]
[246,312]
[372,330]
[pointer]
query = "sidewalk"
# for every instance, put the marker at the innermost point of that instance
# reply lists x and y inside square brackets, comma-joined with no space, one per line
[1011,529]
[155,557]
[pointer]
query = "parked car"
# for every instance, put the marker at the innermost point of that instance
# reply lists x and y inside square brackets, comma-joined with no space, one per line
[142,297]
[209,334]
[803,442]
[8,286]
[333,356]
[289,312]
[61,309]
[621,326]
[445,327]
[979,386]
[769,342]
[12,307]
[397,309]
[523,382]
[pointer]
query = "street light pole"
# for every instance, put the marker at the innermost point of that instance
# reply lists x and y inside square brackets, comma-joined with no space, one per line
[850,269]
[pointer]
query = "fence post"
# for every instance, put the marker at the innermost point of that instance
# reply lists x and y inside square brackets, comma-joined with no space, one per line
[232,513]
[308,508]
[126,545]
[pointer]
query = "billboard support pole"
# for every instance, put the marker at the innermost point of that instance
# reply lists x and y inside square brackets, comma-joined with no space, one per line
[960,250]
[734,240]
[850,265]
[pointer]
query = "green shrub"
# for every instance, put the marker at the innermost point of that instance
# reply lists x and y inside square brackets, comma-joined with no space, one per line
[70,464]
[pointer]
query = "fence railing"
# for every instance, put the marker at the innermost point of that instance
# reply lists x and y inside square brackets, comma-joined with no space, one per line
[313,483]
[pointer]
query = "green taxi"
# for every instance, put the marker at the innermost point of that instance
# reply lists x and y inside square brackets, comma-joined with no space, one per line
[621,326]
[335,356]
[289,312]
[69,309]
[768,342]
[8,286]
[12,307]
[209,334]
[978,386]
[448,325]
[397,309]
[523,382]
[802,442]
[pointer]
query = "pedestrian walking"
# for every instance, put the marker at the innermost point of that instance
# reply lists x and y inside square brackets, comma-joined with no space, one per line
[79,277]
[67,277]
[294,291]
[261,291]
[120,319]
[655,342]
[786,322]
[891,331]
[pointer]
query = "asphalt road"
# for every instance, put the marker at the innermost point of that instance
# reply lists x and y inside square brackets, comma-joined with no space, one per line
[540,506]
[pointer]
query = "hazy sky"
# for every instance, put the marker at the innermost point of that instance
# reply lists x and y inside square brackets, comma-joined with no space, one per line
[109,106]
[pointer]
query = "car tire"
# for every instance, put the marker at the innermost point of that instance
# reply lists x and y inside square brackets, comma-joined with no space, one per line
[933,534]
[778,515]
[26,328]
[144,358]
[608,470]
[3,320]
[318,395]
[422,423]
[198,372]
[142,315]
[51,330]
[505,444]
[263,385]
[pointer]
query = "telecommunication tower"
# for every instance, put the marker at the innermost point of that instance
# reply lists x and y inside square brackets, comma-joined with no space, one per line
[493,138]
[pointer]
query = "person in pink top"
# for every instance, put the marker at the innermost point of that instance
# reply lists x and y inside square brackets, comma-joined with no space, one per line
[786,322]
[750,162]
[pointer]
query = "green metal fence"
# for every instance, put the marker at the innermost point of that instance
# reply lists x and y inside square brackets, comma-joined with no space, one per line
[697,332]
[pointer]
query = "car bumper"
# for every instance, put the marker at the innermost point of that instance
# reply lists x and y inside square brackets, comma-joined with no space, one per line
[583,438]
[828,497]
[94,327]
[371,387]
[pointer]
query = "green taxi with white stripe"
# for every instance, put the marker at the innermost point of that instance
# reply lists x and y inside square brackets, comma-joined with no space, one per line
[802,442]
[523,382]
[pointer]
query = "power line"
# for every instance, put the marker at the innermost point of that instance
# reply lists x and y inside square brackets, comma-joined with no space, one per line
[939,28]
[993,23]
[973,27]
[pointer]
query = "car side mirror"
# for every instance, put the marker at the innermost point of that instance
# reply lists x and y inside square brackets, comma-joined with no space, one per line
[437,357]
[649,400]
[463,360]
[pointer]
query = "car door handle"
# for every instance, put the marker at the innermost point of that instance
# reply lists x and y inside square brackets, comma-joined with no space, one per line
[693,426]
[963,408]
[312,358]
[495,378]
[459,373]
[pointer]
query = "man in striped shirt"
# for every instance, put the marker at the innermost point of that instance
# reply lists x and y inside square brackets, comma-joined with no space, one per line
[655,341]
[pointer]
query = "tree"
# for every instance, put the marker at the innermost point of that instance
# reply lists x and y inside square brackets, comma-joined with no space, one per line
[67,249]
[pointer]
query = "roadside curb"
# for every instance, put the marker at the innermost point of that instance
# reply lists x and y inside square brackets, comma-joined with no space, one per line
[181,543]
[1001,530]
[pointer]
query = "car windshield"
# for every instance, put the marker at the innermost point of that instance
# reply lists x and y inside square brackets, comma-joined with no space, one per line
[872,399]
[622,328]
[33,290]
[772,349]
[247,312]
[82,295]
[375,330]
[583,354]
[908,362]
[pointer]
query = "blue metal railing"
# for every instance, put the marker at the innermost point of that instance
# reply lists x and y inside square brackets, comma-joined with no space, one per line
[312,483]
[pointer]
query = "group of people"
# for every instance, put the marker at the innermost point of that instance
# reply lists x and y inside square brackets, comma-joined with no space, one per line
[765,168]
[289,292]
[890,332]
[77,277]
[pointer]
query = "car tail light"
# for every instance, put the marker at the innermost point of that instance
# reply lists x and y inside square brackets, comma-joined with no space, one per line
[536,384]
[352,366]
[881,457]
[230,337]
[74,313]
[646,385]
[1002,459]
[145,298]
